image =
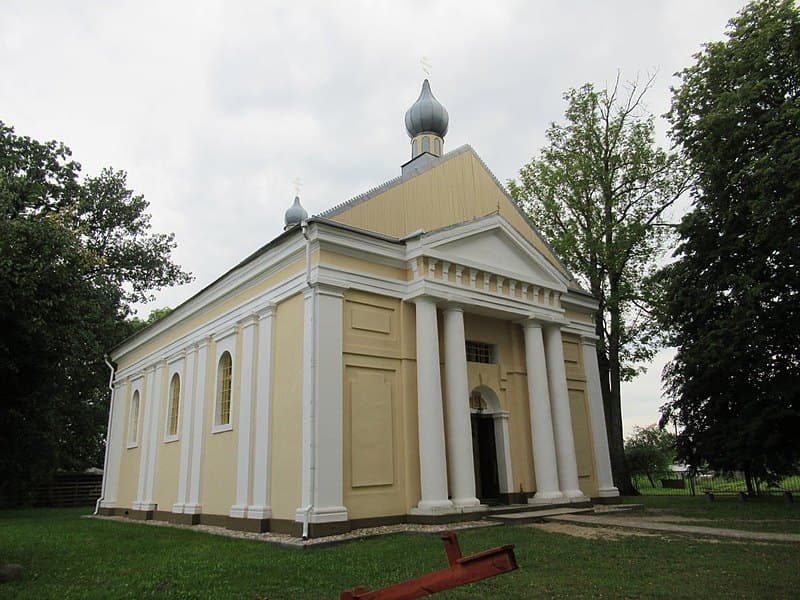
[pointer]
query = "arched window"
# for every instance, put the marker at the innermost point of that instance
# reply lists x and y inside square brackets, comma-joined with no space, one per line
[223,407]
[437,146]
[133,423]
[174,406]
[426,144]
[414,151]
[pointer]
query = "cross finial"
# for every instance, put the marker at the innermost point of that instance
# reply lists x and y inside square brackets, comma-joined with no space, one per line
[426,65]
[298,184]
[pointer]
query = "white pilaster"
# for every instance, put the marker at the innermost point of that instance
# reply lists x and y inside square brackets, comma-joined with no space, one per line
[562,417]
[246,391]
[323,426]
[186,415]
[602,460]
[116,442]
[504,472]
[432,462]
[459,428]
[156,395]
[260,509]
[145,407]
[544,449]
[193,506]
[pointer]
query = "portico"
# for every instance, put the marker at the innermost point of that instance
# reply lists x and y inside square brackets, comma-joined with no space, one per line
[447,282]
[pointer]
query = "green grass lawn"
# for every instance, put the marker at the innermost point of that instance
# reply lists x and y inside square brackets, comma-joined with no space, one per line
[66,556]
[756,514]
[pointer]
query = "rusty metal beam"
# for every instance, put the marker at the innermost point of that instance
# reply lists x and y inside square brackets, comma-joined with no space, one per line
[462,570]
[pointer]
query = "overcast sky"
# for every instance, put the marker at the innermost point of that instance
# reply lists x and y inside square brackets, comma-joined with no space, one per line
[214,108]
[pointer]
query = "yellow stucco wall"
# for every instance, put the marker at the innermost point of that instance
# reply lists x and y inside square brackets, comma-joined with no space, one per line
[507,380]
[579,409]
[129,461]
[457,190]
[218,470]
[287,409]
[165,490]
[374,456]
[207,314]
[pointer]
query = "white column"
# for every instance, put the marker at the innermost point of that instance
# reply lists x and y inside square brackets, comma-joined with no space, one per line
[260,509]
[193,506]
[544,448]
[157,396]
[116,442]
[145,407]
[186,409]
[459,427]
[562,417]
[245,426]
[323,420]
[602,460]
[432,463]
[504,472]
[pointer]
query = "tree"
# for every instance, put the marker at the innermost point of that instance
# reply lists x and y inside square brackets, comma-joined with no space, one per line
[650,451]
[598,191]
[73,255]
[731,301]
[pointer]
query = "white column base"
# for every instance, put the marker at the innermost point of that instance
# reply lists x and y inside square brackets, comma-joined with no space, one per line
[192,509]
[433,507]
[178,507]
[326,514]
[466,502]
[259,512]
[108,504]
[611,492]
[547,498]
[238,511]
[575,496]
[145,506]
[447,509]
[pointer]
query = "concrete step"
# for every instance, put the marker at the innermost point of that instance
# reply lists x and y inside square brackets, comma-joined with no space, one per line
[536,516]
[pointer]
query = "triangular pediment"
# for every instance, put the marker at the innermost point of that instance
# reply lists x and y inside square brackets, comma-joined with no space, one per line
[491,244]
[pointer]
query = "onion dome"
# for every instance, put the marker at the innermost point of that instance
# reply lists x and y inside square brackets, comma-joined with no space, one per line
[426,115]
[295,215]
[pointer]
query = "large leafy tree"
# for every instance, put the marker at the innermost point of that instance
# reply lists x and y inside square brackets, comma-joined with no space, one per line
[74,254]
[650,451]
[599,190]
[732,299]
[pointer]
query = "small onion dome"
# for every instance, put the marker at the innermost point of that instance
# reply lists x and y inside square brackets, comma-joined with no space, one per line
[295,214]
[426,114]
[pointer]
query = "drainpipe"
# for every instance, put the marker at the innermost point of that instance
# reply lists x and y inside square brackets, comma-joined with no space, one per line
[108,433]
[312,395]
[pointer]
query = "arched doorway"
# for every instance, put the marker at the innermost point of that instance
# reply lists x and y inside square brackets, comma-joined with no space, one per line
[490,451]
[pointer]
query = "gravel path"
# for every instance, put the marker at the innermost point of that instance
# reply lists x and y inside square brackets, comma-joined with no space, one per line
[648,525]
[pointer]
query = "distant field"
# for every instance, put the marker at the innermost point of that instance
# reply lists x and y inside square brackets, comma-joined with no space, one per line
[66,556]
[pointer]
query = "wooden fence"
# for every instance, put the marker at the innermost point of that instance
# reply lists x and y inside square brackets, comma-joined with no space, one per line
[69,489]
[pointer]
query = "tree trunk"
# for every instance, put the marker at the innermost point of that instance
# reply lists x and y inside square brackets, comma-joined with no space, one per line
[616,444]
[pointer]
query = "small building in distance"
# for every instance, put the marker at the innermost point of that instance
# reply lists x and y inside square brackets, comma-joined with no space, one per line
[415,354]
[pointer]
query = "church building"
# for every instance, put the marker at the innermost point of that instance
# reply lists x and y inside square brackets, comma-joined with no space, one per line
[415,354]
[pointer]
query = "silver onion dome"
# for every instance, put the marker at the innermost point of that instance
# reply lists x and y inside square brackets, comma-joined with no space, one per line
[295,214]
[426,114]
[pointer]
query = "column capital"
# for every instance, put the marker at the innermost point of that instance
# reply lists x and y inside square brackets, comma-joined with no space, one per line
[453,307]
[589,339]
[324,289]
[266,311]
[248,321]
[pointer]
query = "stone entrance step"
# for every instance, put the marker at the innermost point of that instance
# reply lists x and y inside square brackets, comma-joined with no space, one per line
[536,516]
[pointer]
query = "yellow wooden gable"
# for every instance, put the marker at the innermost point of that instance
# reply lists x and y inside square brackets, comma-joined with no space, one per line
[454,189]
